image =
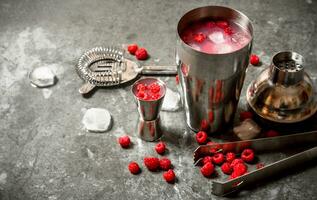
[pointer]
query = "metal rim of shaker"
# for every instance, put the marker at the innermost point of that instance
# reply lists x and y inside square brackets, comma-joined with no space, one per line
[189,48]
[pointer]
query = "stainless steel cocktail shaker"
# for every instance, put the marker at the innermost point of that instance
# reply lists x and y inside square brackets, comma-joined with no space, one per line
[211,83]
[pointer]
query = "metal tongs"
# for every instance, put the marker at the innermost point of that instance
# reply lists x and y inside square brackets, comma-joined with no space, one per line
[260,145]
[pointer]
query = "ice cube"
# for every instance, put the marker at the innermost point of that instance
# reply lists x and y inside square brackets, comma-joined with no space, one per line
[97,120]
[224,48]
[247,130]
[171,101]
[216,37]
[42,77]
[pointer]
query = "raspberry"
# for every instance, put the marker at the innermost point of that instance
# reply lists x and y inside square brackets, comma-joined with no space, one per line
[141,87]
[247,155]
[160,147]
[143,95]
[124,141]
[254,60]
[222,24]
[240,169]
[155,87]
[207,159]
[132,48]
[245,115]
[141,54]
[199,37]
[152,163]
[236,161]
[226,168]
[165,164]
[212,150]
[218,158]
[201,137]
[177,79]
[207,169]
[169,176]
[271,133]
[228,31]
[134,168]
[204,125]
[155,96]
[230,156]
[259,165]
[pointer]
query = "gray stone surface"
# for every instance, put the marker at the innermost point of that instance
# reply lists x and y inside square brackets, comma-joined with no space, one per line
[44,151]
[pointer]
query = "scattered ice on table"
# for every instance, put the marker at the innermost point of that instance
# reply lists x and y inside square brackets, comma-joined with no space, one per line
[216,37]
[97,120]
[171,101]
[42,77]
[247,130]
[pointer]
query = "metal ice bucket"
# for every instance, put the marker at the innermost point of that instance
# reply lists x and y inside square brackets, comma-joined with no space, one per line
[211,83]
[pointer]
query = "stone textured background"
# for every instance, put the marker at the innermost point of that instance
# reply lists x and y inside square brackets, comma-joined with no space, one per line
[44,151]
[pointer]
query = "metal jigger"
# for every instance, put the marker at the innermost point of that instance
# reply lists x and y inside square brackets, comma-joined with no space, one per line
[149,123]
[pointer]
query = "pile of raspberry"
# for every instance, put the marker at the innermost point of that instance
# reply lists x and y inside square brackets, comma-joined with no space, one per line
[148,92]
[230,163]
[140,53]
[152,163]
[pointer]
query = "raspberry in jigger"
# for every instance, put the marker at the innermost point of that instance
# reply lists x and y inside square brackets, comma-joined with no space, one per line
[150,92]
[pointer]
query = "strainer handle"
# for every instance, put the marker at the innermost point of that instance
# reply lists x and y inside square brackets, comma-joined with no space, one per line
[159,70]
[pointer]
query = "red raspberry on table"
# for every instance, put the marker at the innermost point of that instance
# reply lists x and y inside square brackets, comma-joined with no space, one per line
[204,125]
[169,176]
[199,37]
[160,147]
[222,24]
[155,87]
[132,48]
[152,163]
[165,164]
[236,161]
[230,156]
[226,168]
[254,60]
[271,133]
[124,141]
[207,169]
[245,115]
[201,137]
[141,54]
[247,155]
[218,158]
[134,168]
[207,159]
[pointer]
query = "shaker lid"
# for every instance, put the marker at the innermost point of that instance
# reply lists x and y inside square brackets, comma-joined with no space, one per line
[283,92]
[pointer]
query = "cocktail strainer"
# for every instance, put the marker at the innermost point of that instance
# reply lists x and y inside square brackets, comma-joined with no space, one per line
[107,66]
